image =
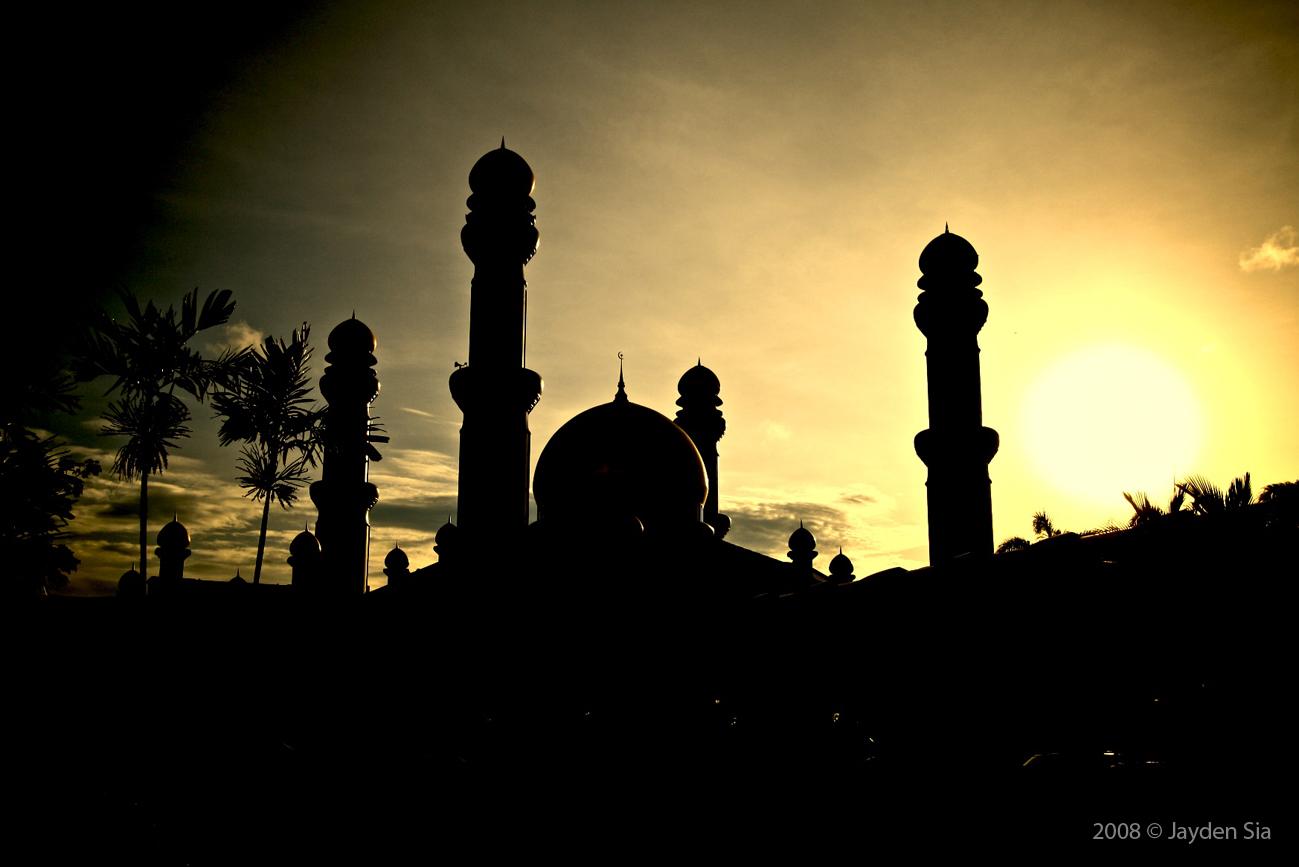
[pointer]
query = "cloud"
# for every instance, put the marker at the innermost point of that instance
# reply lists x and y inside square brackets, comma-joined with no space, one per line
[1279,250]
[234,336]
[858,519]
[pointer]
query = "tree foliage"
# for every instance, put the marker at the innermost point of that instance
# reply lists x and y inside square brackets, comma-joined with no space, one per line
[41,482]
[149,358]
[267,406]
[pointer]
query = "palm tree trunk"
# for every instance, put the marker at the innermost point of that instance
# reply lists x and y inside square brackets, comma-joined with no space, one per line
[261,540]
[144,525]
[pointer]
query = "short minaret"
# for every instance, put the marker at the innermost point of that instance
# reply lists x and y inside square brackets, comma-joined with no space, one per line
[173,551]
[131,584]
[304,560]
[840,569]
[956,448]
[397,567]
[802,547]
[344,494]
[446,544]
[700,417]
[495,391]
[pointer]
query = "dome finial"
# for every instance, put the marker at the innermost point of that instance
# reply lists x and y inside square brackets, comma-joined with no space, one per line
[946,231]
[621,395]
[502,142]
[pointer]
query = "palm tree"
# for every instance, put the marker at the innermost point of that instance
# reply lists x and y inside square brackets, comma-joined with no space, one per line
[1208,499]
[266,407]
[1043,527]
[149,358]
[1014,543]
[1145,512]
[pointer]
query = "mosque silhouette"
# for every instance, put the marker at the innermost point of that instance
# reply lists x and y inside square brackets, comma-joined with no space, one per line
[620,480]
[621,644]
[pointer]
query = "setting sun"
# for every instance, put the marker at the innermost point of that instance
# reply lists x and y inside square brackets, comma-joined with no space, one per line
[1108,419]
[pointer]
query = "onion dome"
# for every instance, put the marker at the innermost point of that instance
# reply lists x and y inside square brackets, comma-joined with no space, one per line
[949,261]
[447,534]
[801,541]
[396,560]
[131,584]
[502,174]
[353,337]
[840,568]
[699,382]
[173,535]
[304,545]
[620,459]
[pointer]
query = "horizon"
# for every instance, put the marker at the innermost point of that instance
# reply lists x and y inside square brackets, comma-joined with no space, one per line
[1127,179]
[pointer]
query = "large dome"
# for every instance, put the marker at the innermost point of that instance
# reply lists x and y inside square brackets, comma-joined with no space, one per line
[621,459]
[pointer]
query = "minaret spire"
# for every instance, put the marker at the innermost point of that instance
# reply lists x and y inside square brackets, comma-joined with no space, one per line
[701,419]
[494,390]
[956,447]
[621,395]
[344,495]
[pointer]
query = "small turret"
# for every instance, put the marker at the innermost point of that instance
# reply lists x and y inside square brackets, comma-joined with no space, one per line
[802,547]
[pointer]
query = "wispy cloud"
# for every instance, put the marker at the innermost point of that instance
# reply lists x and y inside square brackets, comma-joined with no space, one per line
[1278,251]
[858,520]
[234,336]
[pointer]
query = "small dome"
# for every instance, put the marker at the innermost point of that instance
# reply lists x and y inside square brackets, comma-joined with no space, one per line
[502,173]
[621,459]
[699,380]
[447,534]
[304,544]
[173,535]
[352,336]
[131,583]
[840,566]
[396,560]
[802,540]
[238,579]
[949,258]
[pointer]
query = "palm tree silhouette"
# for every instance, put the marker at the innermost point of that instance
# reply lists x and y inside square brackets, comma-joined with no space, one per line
[1145,512]
[266,407]
[150,359]
[1043,527]
[1208,499]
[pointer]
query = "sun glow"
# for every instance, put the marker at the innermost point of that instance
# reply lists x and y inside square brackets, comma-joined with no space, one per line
[1109,419]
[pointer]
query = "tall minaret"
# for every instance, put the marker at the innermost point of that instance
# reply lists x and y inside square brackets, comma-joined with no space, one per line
[700,417]
[495,391]
[344,495]
[957,447]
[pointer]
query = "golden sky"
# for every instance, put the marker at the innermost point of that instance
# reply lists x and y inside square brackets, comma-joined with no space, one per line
[752,183]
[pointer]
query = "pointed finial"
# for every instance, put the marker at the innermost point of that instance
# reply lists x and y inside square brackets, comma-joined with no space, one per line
[237,572]
[622,386]
[353,312]
[699,361]
[502,142]
[800,523]
[304,527]
[946,231]
[175,516]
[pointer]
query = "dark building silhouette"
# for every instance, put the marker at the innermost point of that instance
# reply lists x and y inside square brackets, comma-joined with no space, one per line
[495,391]
[699,416]
[956,447]
[344,495]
